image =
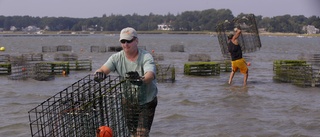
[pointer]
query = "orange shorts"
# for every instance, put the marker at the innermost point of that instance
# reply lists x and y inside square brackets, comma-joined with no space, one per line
[239,64]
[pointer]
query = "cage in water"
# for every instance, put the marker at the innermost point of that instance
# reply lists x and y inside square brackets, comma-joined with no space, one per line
[249,39]
[64,48]
[202,68]
[98,49]
[315,60]
[298,72]
[49,48]
[42,71]
[177,48]
[56,48]
[5,68]
[225,66]
[157,57]
[65,56]
[114,48]
[33,56]
[4,58]
[83,64]
[165,73]
[80,109]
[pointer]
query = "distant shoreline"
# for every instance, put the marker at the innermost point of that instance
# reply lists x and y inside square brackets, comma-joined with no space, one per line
[84,33]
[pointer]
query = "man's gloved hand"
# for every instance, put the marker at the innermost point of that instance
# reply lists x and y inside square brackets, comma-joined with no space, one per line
[99,76]
[134,78]
[133,75]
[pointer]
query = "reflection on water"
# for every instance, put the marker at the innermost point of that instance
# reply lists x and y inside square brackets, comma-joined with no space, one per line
[192,106]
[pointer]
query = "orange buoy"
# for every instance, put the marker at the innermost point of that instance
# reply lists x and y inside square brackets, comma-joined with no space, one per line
[64,72]
[104,131]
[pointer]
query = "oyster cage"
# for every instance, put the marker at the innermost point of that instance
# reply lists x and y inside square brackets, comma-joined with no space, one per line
[249,39]
[80,109]
[298,72]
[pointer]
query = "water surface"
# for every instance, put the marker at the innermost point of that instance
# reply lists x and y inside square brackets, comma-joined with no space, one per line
[192,106]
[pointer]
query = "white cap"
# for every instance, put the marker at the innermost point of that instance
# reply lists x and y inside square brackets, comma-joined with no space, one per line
[128,33]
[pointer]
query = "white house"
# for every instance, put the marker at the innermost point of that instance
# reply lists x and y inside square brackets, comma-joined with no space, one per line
[164,27]
[31,29]
[310,29]
[13,28]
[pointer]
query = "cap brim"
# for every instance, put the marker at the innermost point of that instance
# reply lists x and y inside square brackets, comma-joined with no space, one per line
[125,38]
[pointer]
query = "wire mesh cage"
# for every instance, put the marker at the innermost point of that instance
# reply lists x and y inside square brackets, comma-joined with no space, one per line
[249,39]
[166,73]
[80,109]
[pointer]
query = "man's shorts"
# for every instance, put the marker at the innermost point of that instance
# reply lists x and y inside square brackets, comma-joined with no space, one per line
[239,64]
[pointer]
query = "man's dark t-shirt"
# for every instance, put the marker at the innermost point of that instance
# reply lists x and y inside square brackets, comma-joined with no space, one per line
[235,50]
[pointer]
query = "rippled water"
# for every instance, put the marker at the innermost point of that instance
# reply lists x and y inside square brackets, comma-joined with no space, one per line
[192,106]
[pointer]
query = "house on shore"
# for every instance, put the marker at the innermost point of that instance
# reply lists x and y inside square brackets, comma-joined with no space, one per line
[164,27]
[310,29]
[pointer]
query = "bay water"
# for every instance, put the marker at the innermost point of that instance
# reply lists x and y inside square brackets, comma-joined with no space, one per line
[192,106]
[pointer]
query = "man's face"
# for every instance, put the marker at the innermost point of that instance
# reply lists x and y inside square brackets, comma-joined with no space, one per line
[129,45]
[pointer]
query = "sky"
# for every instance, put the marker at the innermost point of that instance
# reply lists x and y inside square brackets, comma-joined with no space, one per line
[97,8]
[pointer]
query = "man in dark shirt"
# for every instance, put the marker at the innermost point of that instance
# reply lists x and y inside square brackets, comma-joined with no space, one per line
[236,57]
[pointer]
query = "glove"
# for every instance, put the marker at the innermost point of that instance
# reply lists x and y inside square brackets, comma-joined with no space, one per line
[134,78]
[99,76]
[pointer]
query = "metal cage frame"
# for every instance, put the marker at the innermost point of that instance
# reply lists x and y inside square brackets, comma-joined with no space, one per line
[80,109]
[249,39]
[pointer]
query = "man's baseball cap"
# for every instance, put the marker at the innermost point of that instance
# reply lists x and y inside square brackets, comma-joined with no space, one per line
[128,34]
[230,36]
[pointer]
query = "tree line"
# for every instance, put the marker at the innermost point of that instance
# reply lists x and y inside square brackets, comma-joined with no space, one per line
[205,20]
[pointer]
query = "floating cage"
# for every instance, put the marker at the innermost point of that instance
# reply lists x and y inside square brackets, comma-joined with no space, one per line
[64,48]
[5,68]
[225,66]
[49,48]
[199,57]
[33,56]
[114,48]
[53,67]
[166,73]
[98,49]
[297,72]
[21,71]
[80,109]
[177,48]
[65,56]
[43,70]
[56,48]
[18,60]
[315,60]
[157,57]
[249,39]
[4,58]
[202,68]
[83,64]
[284,69]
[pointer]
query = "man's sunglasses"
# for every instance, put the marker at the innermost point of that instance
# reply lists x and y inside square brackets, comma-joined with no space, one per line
[127,41]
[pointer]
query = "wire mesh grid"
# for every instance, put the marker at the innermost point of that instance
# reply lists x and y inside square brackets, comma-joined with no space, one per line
[249,39]
[80,109]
